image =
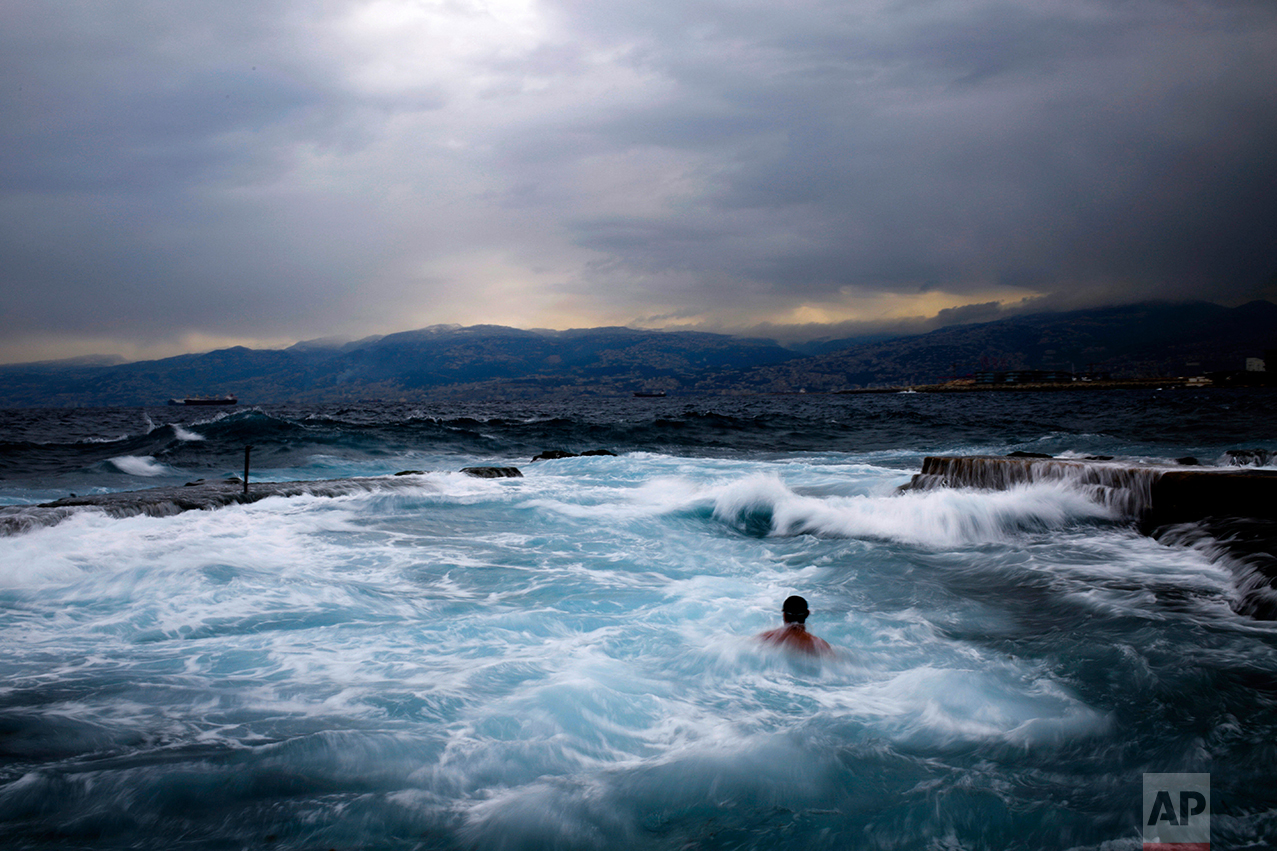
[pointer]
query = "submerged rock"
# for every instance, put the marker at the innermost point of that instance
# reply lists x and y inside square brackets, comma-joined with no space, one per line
[555,454]
[493,472]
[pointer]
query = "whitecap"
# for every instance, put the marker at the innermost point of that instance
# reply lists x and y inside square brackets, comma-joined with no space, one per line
[139,465]
[932,708]
[185,435]
[765,505]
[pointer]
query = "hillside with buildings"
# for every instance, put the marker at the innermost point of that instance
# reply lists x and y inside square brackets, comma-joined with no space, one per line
[495,362]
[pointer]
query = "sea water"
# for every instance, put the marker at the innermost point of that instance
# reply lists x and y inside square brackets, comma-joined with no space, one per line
[566,660]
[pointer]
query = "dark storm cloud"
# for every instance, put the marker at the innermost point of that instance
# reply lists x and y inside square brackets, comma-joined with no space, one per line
[149,170]
[136,100]
[276,170]
[1113,150]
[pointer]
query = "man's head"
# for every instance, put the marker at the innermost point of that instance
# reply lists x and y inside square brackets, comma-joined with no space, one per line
[794,610]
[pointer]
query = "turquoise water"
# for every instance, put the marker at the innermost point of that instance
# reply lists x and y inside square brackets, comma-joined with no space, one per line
[567,660]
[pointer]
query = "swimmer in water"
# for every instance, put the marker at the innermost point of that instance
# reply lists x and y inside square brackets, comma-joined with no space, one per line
[794,635]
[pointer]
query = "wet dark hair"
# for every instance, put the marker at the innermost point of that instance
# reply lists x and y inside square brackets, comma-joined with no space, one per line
[794,610]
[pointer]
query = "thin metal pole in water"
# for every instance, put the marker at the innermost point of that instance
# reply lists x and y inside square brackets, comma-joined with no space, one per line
[247,449]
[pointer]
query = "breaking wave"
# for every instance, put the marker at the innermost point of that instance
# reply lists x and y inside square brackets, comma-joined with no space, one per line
[763,505]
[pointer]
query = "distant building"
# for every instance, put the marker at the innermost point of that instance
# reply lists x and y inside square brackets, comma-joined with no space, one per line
[1255,365]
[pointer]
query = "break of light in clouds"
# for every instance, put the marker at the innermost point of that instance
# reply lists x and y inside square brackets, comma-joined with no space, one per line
[180,175]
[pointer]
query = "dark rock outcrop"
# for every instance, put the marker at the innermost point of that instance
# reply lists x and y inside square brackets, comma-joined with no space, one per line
[1184,496]
[555,454]
[493,472]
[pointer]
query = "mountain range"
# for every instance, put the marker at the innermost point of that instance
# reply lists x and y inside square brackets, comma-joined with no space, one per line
[496,362]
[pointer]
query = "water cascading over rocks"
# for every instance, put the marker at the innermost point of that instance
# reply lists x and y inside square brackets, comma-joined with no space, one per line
[1228,513]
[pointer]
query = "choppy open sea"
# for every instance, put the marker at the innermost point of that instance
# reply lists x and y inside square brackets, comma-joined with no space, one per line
[565,660]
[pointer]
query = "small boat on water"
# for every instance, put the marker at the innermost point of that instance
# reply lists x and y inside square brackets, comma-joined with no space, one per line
[650,394]
[205,400]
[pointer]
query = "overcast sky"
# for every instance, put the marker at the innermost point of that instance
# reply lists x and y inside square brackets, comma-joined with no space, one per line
[178,175]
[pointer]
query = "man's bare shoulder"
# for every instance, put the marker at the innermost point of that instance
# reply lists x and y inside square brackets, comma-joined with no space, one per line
[797,639]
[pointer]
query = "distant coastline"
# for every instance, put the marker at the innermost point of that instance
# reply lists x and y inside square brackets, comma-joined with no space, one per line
[1110,348]
[1060,386]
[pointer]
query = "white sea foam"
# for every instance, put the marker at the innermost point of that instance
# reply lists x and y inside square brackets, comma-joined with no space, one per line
[939,518]
[568,659]
[95,440]
[185,434]
[140,465]
[942,708]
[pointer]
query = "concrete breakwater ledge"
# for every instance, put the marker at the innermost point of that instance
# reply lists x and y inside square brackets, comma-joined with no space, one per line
[1228,513]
